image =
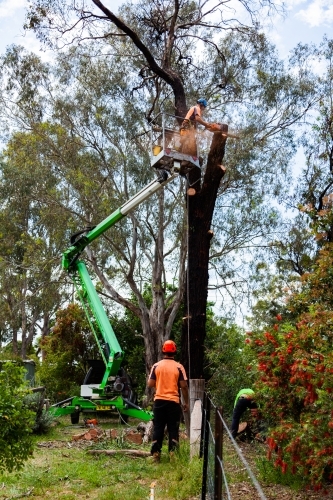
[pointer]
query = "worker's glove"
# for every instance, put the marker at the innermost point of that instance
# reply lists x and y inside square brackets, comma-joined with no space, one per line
[214,127]
[217,127]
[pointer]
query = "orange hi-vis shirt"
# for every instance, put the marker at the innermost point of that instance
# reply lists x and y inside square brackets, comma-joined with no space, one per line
[168,373]
[192,113]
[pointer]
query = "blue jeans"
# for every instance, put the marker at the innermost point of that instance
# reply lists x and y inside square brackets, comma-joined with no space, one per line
[166,413]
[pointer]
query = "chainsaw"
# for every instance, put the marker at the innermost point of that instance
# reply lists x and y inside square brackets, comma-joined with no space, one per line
[221,127]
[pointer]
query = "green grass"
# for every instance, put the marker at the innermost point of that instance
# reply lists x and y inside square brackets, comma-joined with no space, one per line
[65,470]
[269,474]
[264,470]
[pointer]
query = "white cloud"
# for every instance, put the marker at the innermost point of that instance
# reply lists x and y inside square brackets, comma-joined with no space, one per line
[290,4]
[8,8]
[317,13]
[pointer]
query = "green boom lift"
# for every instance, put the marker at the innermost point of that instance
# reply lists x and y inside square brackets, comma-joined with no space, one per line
[107,387]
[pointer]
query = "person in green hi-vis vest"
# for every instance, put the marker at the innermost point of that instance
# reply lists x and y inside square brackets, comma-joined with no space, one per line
[243,401]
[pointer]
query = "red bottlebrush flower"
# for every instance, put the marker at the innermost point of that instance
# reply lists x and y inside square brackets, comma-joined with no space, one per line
[279,317]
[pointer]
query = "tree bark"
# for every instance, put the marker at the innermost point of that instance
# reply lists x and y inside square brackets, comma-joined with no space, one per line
[200,208]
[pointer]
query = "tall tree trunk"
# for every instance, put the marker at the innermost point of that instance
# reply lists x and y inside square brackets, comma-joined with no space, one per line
[15,342]
[151,336]
[200,207]
[45,330]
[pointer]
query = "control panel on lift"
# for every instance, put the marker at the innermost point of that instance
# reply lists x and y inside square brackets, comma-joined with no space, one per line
[167,144]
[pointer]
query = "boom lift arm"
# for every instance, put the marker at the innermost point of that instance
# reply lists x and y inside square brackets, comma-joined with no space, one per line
[114,392]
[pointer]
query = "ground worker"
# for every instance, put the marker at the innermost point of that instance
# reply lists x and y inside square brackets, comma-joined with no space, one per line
[243,401]
[167,377]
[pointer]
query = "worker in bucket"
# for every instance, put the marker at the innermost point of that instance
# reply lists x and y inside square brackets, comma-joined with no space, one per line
[189,127]
[243,401]
[188,137]
[167,377]
[194,115]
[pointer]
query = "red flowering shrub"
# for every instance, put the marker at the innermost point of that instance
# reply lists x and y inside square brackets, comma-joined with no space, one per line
[295,379]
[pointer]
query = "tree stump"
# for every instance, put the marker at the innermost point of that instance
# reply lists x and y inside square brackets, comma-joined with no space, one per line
[147,430]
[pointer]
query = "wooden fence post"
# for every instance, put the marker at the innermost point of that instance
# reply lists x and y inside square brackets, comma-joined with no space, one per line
[197,389]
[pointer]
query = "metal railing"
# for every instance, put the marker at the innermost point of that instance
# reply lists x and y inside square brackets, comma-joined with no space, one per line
[213,431]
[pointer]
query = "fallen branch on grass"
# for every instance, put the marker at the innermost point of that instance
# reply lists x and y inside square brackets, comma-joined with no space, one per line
[133,453]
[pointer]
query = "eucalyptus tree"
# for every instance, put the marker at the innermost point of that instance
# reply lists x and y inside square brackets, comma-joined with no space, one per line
[314,193]
[29,284]
[293,253]
[169,44]
[89,142]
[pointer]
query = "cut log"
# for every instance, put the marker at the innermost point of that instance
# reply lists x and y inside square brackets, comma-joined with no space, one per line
[147,431]
[134,437]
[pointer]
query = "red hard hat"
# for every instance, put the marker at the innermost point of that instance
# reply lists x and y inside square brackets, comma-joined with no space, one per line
[169,346]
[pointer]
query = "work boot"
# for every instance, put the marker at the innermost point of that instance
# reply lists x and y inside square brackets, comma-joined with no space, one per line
[156,457]
[172,457]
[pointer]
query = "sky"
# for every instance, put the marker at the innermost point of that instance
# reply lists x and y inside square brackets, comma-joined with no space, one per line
[307,21]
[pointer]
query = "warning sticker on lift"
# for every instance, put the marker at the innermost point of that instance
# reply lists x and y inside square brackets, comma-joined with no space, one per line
[103,408]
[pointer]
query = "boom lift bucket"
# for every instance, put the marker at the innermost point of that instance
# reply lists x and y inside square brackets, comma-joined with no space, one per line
[166,145]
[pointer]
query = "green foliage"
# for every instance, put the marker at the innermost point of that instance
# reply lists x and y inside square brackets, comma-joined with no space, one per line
[43,419]
[269,474]
[295,378]
[67,350]
[228,359]
[16,419]
[29,292]
[314,186]
[128,329]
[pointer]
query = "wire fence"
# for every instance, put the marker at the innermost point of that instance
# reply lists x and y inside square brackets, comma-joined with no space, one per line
[213,432]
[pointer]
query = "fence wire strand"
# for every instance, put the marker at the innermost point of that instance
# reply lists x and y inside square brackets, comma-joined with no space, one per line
[210,472]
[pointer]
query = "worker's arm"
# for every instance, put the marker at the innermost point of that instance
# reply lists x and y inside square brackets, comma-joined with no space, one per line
[201,121]
[184,389]
[151,383]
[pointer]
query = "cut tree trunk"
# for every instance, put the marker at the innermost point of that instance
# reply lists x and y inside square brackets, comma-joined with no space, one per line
[200,209]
